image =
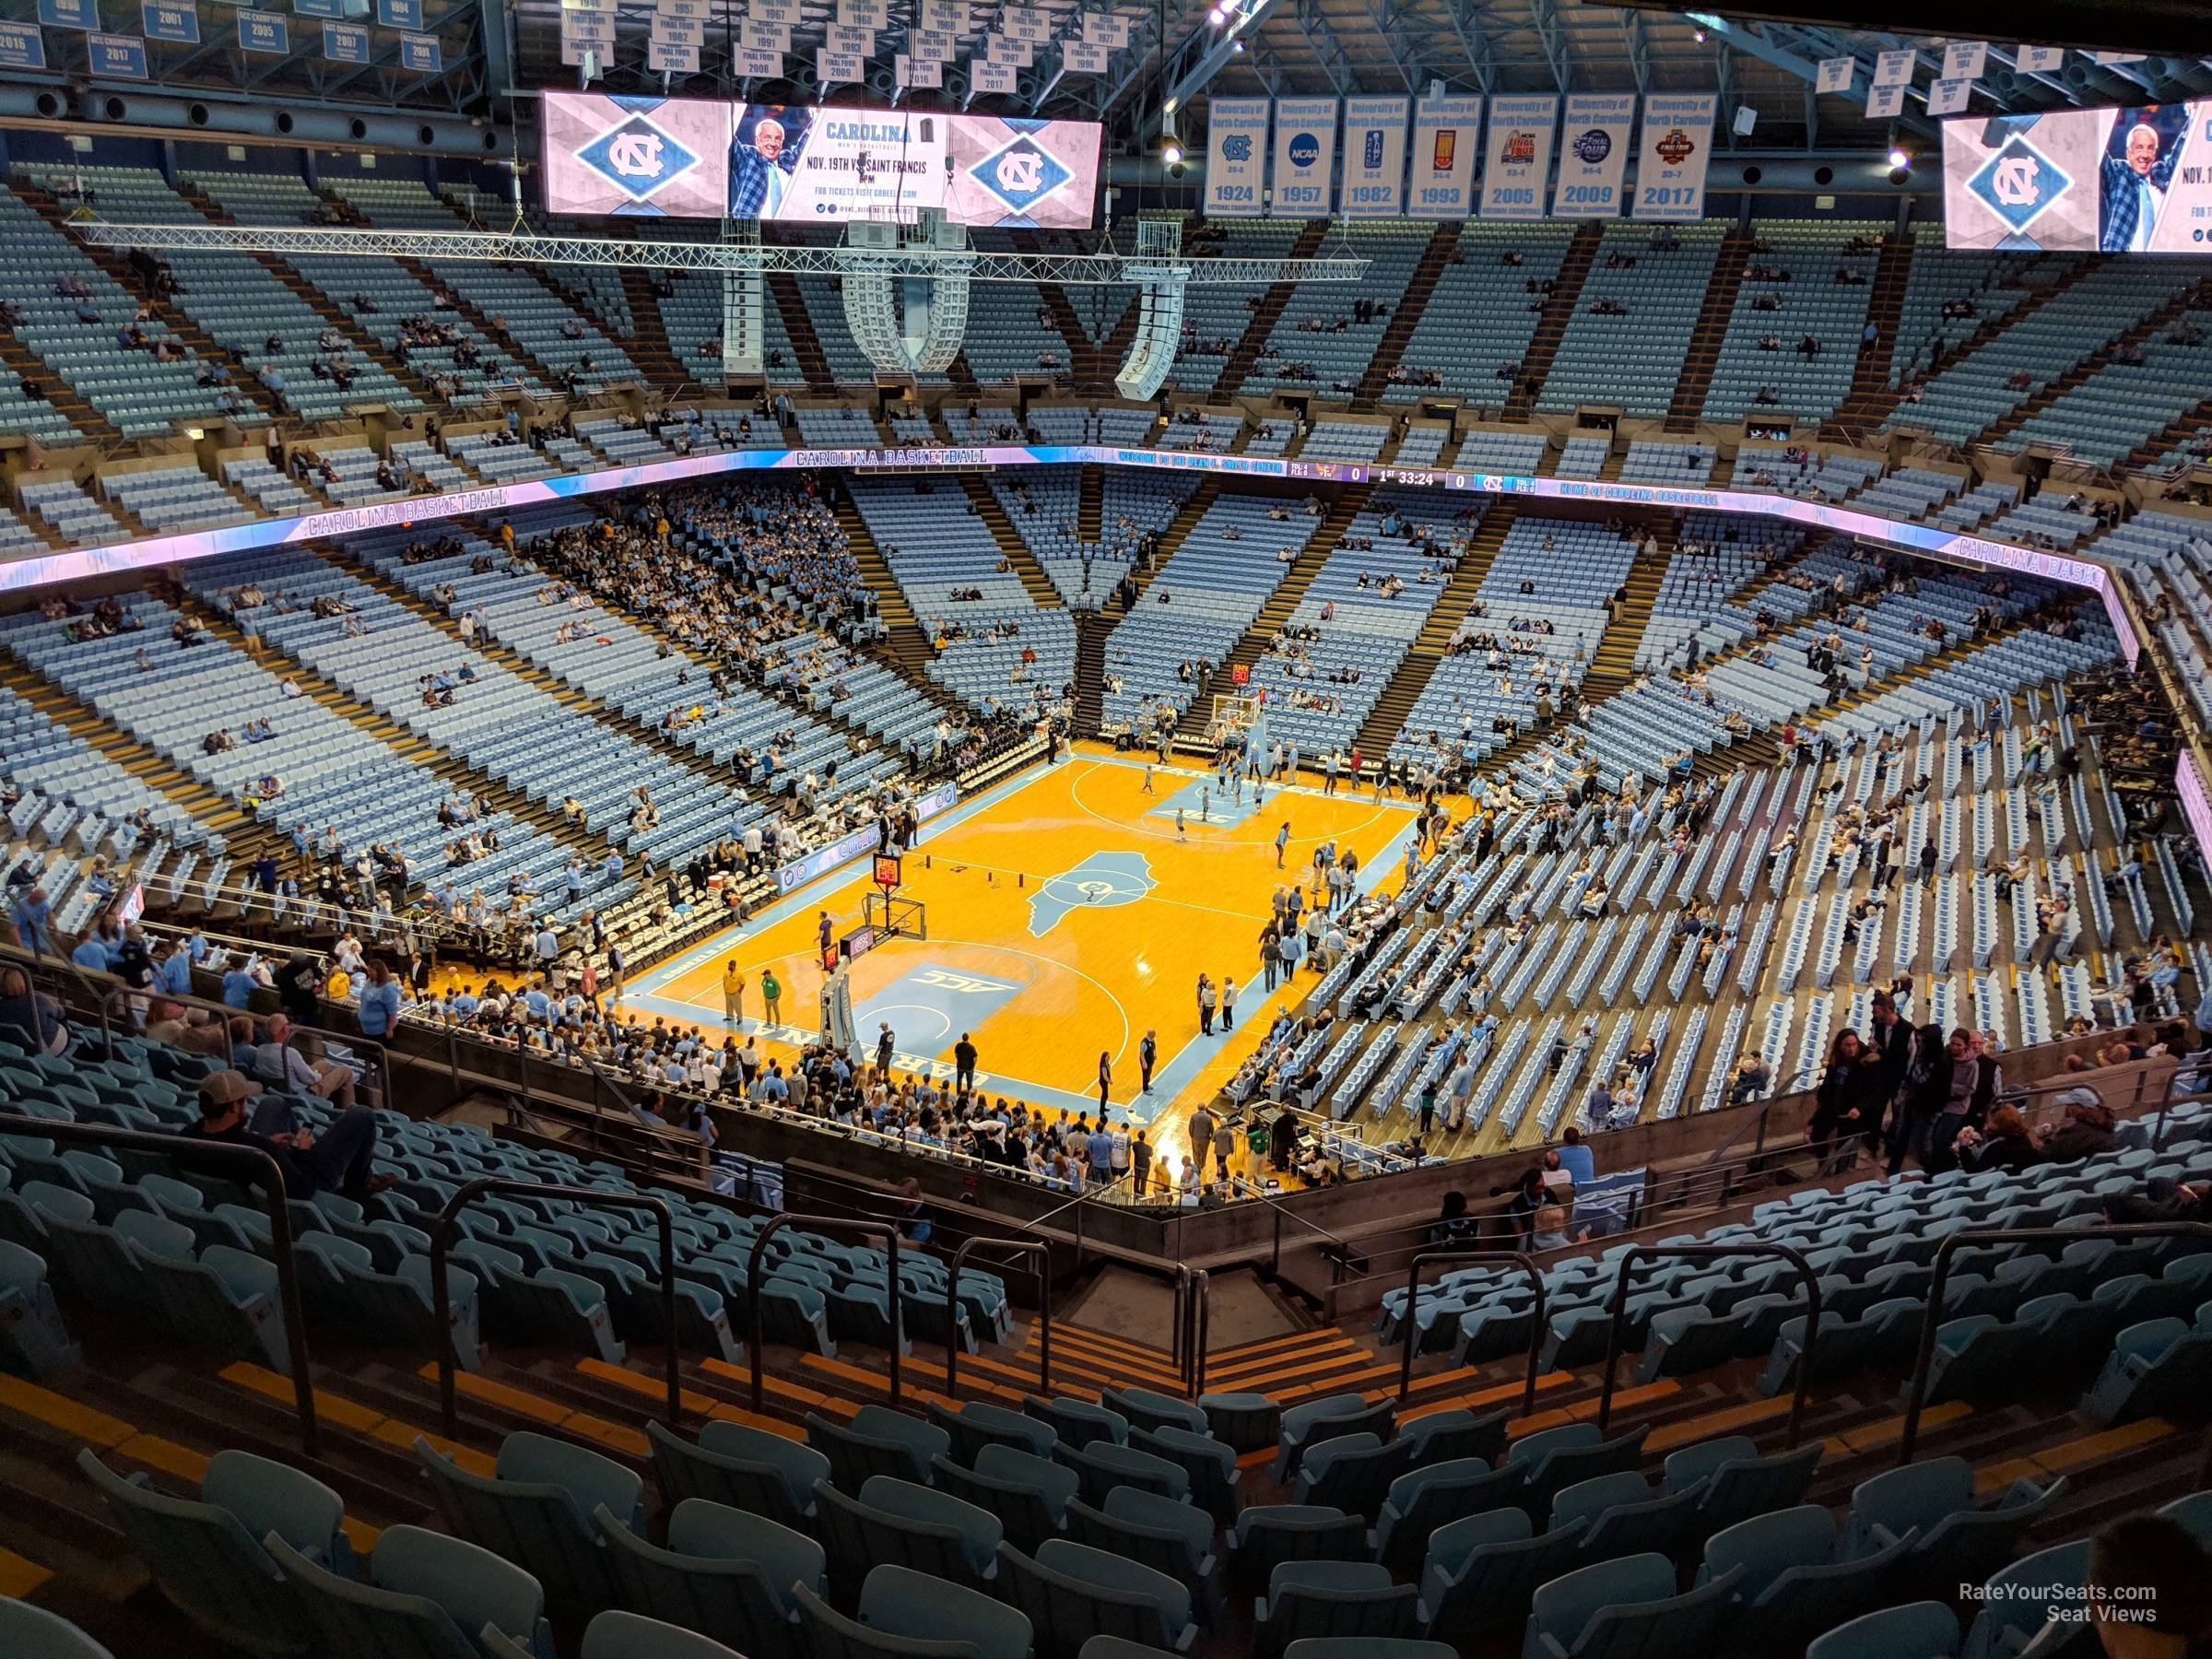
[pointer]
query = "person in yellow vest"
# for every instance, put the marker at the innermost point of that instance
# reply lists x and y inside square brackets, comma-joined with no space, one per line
[733,996]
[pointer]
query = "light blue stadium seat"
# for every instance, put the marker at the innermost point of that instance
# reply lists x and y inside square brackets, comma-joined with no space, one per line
[34,1633]
[1925,1630]
[723,1572]
[536,1508]
[423,1593]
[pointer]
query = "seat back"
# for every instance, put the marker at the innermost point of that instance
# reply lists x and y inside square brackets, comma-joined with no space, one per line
[732,1597]
[535,1523]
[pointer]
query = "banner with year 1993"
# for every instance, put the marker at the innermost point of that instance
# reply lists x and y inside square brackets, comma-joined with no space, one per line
[1446,132]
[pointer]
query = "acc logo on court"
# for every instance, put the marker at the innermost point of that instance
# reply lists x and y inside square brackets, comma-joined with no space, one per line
[1102,880]
[960,984]
[637,157]
[2019,182]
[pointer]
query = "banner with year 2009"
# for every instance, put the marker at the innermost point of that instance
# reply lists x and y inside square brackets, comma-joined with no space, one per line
[1236,156]
[1446,133]
[1670,166]
[1594,155]
[1518,159]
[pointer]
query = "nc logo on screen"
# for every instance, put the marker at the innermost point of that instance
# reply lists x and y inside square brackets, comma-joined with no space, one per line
[1237,147]
[1022,175]
[1305,149]
[1593,146]
[637,157]
[2019,182]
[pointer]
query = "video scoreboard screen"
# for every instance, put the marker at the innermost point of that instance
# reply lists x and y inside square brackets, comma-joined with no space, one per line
[2133,180]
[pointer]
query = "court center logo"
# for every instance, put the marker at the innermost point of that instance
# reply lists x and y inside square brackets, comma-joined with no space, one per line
[2019,184]
[1021,173]
[1100,882]
[637,158]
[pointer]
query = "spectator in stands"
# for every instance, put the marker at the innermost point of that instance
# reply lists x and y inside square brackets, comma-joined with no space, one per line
[304,1070]
[2086,1130]
[2005,1144]
[1847,1105]
[339,1159]
[1970,1091]
[1527,1199]
[379,1010]
[31,1017]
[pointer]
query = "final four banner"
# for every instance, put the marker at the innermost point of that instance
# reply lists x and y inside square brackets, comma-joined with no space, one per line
[1305,158]
[1678,143]
[1446,135]
[1594,155]
[1236,156]
[1374,157]
[1518,159]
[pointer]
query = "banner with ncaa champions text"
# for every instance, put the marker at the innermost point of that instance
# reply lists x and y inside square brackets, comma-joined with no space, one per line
[1305,158]
[1670,165]
[1374,157]
[1518,159]
[1594,155]
[1236,156]
[1446,132]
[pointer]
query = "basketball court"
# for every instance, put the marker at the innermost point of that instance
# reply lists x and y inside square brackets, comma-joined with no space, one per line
[1056,917]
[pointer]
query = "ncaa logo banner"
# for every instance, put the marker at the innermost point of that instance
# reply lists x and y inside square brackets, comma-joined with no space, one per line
[1518,160]
[1670,165]
[1440,184]
[1236,163]
[1594,155]
[1374,157]
[1305,158]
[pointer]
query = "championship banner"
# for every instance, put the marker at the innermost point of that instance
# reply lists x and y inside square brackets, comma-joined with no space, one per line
[1594,155]
[1447,133]
[1305,158]
[1834,75]
[1374,157]
[1964,60]
[1518,159]
[1670,164]
[1236,143]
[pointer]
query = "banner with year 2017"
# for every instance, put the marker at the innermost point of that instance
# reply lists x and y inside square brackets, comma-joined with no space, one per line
[1236,156]
[1447,133]
[1374,157]
[1517,161]
[1305,158]
[1670,164]
[1594,155]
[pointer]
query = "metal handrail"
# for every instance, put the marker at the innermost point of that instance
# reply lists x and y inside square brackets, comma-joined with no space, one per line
[267,1173]
[886,1231]
[120,998]
[1931,1315]
[1026,1247]
[1520,1258]
[1199,1309]
[1705,1252]
[593,1198]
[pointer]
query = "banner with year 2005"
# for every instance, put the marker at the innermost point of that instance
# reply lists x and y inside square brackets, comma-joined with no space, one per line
[1236,156]
[1594,155]
[1446,133]
[1518,159]
[1374,157]
[1670,165]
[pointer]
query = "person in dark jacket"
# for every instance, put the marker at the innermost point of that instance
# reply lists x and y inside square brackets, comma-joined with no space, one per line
[1848,1100]
[2086,1131]
[1974,1082]
[1926,1085]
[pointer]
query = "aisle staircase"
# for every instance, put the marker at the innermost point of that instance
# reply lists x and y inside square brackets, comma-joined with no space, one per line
[1870,370]
[1551,328]
[1171,539]
[1254,338]
[1714,317]
[1387,718]
[2052,390]
[798,327]
[1034,582]
[1406,315]
[1292,588]
[648,343]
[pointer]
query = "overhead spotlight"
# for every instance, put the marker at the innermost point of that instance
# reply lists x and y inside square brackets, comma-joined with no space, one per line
[1217,16]
[1898,159]
[1237,47]
[1171,147]
[1697,35]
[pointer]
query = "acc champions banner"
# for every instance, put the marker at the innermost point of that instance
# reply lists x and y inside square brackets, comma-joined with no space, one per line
[1305,156]
[680,158]
[1374,157]
[1518,159]
[1678,143]
[1445,134]
[2114,181]
[1236,156]
[1594,155]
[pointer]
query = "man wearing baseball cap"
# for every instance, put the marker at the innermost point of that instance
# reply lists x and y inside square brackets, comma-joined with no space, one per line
[338,1160]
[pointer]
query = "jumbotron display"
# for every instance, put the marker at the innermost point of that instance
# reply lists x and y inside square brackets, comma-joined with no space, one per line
[696,157]
[2117,180]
